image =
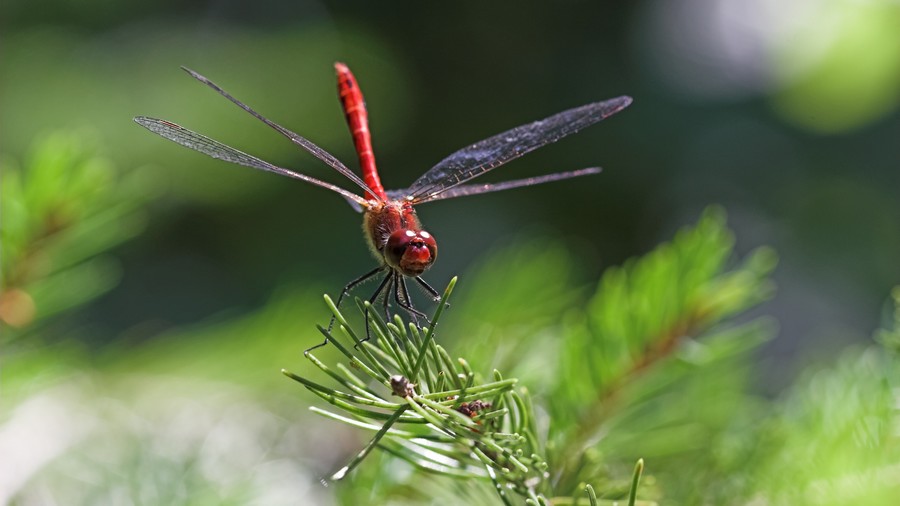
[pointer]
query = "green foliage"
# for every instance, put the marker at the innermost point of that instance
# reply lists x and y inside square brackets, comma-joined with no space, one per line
[559,393]
[655,335]
[834,438]
[889,336]
[655,366]
[449,421]
[61,212]
[654,346]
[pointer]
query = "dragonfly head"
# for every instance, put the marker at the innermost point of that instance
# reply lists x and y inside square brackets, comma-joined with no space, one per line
[410,251]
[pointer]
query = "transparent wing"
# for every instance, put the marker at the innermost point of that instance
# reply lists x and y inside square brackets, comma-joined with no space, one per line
[306,144]
[495,151]
[475,189]
[216,149]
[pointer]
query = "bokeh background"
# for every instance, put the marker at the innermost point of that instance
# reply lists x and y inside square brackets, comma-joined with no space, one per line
[785,115]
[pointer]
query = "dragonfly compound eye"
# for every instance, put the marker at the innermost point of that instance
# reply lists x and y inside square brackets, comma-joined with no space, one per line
[410,252]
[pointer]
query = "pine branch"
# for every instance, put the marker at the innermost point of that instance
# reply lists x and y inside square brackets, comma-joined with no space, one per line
[642,316]
[61,212]
[637,327]
[448,421]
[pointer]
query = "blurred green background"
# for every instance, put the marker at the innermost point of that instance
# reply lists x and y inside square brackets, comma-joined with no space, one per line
[787,116]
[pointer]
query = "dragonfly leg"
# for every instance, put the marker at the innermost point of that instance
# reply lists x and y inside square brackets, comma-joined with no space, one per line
[346,291]
[386,300]
[385,282]
[428,288]
[350,286]
[401,296]
[435,296]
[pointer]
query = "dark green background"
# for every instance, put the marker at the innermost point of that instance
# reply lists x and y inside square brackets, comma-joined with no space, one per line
[805,163]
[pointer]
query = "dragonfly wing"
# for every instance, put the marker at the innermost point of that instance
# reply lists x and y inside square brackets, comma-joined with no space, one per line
[475,189]
[297,139]
[203,144]
[475,160]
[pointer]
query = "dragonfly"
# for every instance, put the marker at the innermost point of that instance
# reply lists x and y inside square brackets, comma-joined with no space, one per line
[391,227]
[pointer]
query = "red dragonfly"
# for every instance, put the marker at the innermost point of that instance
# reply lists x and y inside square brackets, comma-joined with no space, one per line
[392,229]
